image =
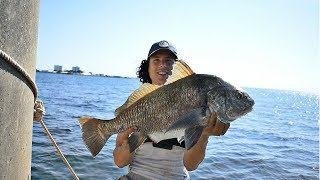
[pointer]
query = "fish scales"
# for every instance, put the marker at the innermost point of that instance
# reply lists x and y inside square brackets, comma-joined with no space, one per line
[155,107]
[174,99]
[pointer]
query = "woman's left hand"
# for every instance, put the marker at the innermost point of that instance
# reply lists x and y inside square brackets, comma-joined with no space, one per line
[215,127]
[194,156]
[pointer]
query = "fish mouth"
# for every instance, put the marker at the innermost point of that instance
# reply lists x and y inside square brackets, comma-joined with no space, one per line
[232,117]
[248,109]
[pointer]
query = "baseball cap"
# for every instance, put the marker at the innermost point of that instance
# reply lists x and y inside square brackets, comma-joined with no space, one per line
[162,45]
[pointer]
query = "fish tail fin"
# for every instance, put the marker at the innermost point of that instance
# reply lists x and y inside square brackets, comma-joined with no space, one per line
[93,135]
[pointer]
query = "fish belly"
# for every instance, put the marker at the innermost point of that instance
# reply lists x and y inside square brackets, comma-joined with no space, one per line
[159,136]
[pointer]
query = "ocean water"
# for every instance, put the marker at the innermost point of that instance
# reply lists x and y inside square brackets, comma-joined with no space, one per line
[279,139]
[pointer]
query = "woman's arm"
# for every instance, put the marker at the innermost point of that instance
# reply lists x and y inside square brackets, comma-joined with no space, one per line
[121,154]
[194,156]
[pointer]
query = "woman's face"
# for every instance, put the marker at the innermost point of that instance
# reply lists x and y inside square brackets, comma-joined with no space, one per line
[160,66]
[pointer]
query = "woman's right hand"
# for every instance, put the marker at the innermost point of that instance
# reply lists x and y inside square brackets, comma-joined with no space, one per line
[121,154]
[122,138]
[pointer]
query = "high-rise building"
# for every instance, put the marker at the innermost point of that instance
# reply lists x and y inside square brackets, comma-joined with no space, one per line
[57,68]
[76,69]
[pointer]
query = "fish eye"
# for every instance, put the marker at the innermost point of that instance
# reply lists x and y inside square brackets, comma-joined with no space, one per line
[239,95]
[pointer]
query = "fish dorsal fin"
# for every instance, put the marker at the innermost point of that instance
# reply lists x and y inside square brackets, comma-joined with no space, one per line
[142,91]
[180,70]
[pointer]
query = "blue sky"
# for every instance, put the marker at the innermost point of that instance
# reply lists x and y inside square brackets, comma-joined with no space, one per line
[250,43]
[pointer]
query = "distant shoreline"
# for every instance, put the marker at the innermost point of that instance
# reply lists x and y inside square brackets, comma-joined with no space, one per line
[82,74]
[310,92]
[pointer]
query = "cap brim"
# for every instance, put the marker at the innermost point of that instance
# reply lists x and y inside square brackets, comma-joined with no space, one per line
[165,48]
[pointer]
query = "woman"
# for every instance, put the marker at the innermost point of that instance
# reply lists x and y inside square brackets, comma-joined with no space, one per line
[167,159]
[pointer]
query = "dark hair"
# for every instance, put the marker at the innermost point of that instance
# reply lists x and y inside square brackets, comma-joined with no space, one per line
[143,73]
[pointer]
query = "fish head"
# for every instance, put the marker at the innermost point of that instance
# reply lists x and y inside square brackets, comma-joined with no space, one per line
[229,102]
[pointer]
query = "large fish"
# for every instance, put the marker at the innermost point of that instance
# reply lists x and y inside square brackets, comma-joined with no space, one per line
[180,108]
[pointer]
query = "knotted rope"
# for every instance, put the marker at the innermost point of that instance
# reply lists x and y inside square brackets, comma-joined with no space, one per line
[39,110]
[38,113]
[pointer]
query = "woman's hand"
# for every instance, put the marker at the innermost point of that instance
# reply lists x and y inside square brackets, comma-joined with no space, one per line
[194,156]
[215,127]
[122,138]
[121,154]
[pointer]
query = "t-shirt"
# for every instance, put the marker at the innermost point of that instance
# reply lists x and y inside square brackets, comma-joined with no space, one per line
[159,163]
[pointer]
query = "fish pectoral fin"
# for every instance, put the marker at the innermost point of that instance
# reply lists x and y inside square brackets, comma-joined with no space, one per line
[192,135]
[135,140]
[193,118]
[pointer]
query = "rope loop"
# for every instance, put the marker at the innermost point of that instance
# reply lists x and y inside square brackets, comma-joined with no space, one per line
[20,69]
